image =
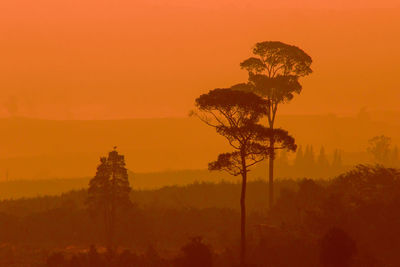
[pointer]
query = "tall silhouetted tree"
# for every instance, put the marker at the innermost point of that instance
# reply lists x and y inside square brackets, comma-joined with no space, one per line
[380,148]
[109,191]
[234,114]
[274,74]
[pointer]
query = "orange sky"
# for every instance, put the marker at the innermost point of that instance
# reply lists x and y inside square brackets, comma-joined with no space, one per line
[70,59]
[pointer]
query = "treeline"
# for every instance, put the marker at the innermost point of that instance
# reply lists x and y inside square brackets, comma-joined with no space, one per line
[317,163]
[352,218]
[309,163]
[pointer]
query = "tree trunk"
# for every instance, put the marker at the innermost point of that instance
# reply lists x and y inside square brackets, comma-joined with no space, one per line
[112,230]
[271,173]
[243,215]
[108,231]
[112,211]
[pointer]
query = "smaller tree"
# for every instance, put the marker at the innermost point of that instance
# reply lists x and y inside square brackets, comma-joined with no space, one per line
[109,192]
[380,148]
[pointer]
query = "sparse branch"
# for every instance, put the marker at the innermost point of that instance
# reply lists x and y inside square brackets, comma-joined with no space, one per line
[204,119]
[255,162]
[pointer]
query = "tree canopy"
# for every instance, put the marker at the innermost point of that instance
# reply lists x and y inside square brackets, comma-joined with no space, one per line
[274,73]
[235,113]
[276,58]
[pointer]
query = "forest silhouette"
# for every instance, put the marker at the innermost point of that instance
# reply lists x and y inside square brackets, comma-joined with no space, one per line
[280,203]
[352,218]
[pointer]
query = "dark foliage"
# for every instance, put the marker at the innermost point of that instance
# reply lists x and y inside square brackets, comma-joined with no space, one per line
[109,192]
[351,220]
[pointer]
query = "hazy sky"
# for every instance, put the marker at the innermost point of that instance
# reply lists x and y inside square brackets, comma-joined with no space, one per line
[125,59]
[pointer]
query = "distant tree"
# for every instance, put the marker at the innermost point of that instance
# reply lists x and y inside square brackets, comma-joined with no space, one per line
[309,158]
[283,159]
[337,161]
[363,115]
[234,114]
[109,191]
[380,147]
[274,74]
[322,161]
[337,248]
[299,159]
[395,157]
